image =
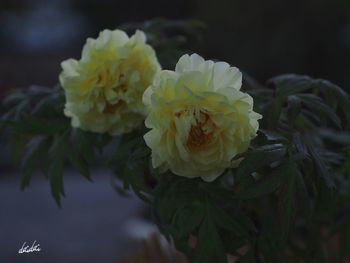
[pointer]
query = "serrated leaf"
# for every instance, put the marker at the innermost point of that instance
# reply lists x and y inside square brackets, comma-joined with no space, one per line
[57,159]
[78,162]
[119,188]
[37,149]
[56,179]
[85,145]
[133,176]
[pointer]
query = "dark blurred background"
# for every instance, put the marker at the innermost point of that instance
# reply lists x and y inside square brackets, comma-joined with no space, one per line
[263,38]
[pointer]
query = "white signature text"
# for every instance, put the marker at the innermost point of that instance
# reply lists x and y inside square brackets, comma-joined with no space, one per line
[28,249]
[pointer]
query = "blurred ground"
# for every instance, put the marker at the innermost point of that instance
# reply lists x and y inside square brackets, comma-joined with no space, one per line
[89,228]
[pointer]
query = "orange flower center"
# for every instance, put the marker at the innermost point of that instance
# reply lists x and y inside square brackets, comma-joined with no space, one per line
[201,134]
[112,108]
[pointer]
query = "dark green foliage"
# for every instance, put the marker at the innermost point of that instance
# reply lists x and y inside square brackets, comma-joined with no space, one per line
[35,118]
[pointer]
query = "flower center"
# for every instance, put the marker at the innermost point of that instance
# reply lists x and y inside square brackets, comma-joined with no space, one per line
[110,80]
[118,84]
[112,108]
[201,134]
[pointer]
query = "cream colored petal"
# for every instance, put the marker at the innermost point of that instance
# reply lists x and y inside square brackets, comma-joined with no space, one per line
[146,97]
[138,37]
[188,63]
[226,76]
[70,67]
[210,176]
[119,37]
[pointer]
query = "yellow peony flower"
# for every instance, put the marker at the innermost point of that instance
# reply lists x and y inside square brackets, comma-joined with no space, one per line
[104,88]
[199,118]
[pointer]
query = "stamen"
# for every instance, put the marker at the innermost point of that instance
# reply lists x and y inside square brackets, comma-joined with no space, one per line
[199,136]
[112,108]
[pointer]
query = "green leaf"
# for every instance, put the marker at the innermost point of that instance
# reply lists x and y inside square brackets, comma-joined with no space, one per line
[260,157]
[85,144]
[216,191]
[133,176]
[316,105]
[290,84]
[140,154]
[273,136]
[13,98]
[274,113]
[103,140]
[123,151]
[56,180]
[287,202]
[57,159]
[78,162]
[342,98]
[222,219]
[304,200]
[37,149]
[300,146]
[294,109]
[10,115]
[319,164]
[209,247]
[32,125]
[119,188]
[265,185]
[189,218]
